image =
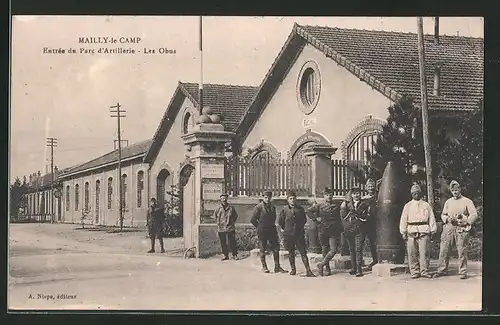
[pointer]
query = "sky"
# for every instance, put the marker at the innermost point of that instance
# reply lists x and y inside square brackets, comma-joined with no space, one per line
[68,96]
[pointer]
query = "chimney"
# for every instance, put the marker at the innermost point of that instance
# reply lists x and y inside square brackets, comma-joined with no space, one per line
[437,80]
[436,30]
[55,169]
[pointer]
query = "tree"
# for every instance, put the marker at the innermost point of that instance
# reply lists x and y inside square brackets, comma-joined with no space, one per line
[456,149]
[17,191]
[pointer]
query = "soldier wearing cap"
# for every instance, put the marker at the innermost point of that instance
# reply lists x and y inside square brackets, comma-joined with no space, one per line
[353,212]
[417,225]
[226,216]
[327,215]
[459,213]
[155,223]
[292,220]
[369,227]
[264,219]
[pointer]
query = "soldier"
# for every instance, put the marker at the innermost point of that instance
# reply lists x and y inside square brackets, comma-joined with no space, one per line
[417,225]
[369,228]
[226,216]
[155,222]
[264,219]
[353,212]
[327,215]
[459,213]
[292,220]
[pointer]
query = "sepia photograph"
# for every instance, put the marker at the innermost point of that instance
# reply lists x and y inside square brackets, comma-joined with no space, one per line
[227,163]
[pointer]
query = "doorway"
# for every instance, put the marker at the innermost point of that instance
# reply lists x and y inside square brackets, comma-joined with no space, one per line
[186,188]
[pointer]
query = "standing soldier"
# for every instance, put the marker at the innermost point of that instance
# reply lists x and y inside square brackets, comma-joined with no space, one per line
[327,215]
[459,213]
[417,225]
[353,212]
[264,219]
[369,228]
[156,222]
[292,220]
[226,216]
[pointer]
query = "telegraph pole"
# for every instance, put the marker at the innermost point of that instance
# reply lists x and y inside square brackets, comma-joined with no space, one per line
[425,115]
[118,116]
[52,142]
[200,85]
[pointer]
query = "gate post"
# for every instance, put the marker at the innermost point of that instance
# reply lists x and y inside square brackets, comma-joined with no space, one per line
[320,156]
[206,143]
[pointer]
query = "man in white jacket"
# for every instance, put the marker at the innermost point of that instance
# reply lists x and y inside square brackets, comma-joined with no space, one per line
[417,225]
[459,213]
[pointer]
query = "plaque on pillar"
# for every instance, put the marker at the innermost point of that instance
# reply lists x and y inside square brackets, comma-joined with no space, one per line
[212,170]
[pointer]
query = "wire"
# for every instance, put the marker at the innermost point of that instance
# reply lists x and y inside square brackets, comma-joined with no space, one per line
[71,149]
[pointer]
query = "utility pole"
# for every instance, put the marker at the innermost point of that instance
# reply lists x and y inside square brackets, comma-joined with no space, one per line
[52,142]
[200,85]
[425,115]
[118,116]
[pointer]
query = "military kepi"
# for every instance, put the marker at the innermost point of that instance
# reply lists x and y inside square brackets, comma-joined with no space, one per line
[290,193]
[224,194]
[328,191]
[268,193]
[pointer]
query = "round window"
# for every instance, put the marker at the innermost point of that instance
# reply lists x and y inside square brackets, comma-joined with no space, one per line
[308,87]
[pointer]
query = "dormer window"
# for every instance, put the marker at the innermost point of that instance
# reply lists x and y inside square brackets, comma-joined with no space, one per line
[187,123]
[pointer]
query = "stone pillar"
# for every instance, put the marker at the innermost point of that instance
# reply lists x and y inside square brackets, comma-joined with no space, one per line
[206,144]
[320,156]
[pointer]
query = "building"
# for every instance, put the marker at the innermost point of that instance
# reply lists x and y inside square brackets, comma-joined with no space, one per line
[320,106]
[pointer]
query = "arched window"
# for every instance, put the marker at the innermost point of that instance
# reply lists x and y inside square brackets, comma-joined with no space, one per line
[124,191]
[77,196]
[67,198]
[110,192]
[362,138]
[86,196]
[187,123]
[97,199]
[140,187]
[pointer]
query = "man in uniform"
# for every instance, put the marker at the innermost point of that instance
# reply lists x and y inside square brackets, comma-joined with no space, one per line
[327,215]
[417,225]
[225,216]
[353,212]
[264,219]
[369,227]
[459,213]
[292,220]
[156,222]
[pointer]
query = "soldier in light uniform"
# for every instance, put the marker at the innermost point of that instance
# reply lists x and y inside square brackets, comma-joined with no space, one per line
[292,220]
[369,228]
[264,219]
[459,213]
[417,225]
[327,215]
[155,222]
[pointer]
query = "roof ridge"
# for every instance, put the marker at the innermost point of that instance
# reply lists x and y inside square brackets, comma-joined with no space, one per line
[387,31]
[217,84]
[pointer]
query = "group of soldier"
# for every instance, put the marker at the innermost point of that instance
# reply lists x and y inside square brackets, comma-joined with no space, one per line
[349,222]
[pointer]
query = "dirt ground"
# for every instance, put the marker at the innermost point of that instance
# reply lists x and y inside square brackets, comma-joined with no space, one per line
[58,267]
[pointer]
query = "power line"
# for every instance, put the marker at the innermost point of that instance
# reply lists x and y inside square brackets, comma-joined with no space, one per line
[52,142]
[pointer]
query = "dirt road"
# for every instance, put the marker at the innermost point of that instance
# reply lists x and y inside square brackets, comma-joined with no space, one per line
[57,267]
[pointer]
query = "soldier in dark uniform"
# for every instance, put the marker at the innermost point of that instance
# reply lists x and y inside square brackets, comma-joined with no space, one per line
[369,227]
[353,213]
[264,219]
[226,216]
[327,215]
[292,220]
[156,223]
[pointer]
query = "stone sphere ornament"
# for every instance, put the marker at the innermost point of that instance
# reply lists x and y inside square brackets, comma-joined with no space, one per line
[215,118]
[204,119]
[207,110]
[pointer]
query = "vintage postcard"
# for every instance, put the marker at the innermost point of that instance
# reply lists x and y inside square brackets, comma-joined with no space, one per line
[181,163]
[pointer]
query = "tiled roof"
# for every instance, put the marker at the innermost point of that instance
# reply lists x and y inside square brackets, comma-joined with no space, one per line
[392,59]
[387,61]
[228,100]
[111,157]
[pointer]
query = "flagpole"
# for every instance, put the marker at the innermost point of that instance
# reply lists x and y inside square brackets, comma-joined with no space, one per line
[200,85]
